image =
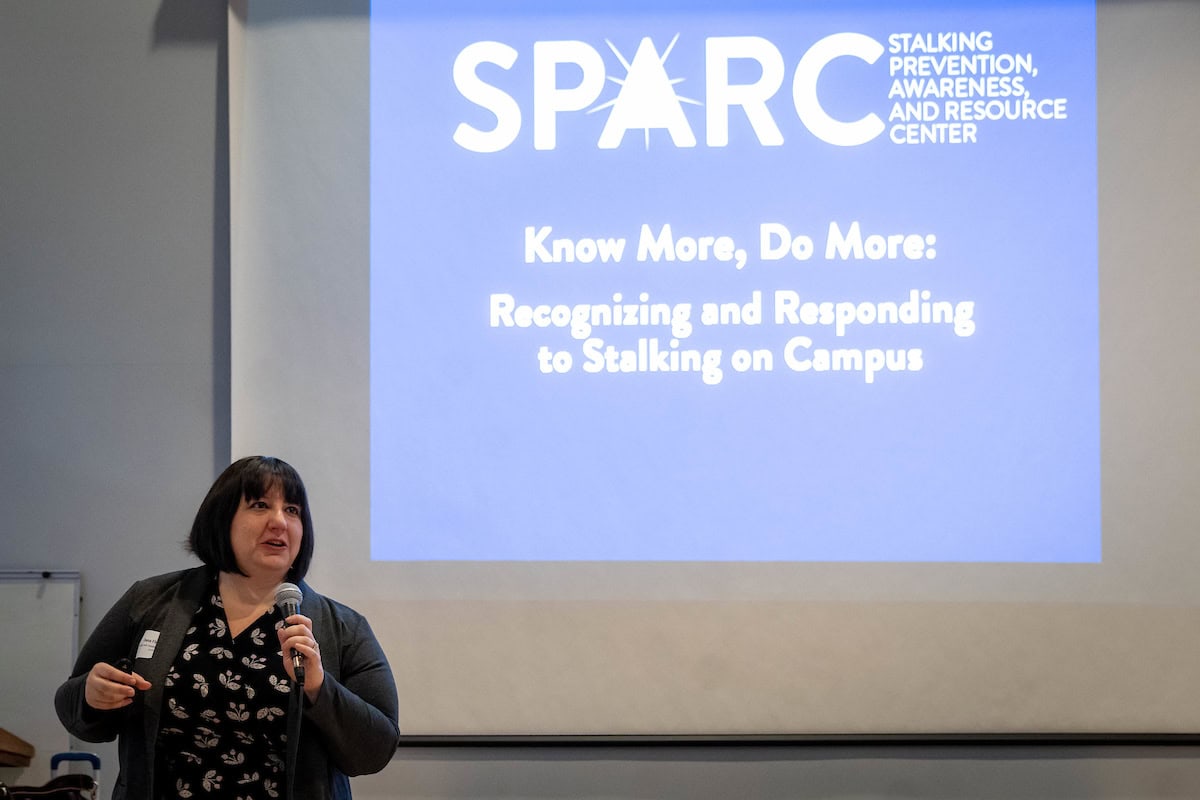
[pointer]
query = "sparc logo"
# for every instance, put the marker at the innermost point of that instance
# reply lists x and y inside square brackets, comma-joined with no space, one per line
[647,99]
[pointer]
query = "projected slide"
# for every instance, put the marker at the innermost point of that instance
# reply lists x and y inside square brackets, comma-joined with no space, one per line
[747,285]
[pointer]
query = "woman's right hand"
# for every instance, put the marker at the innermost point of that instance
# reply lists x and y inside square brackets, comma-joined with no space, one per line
[108,687]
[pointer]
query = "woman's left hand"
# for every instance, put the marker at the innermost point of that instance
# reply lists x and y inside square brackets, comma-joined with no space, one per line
[297,635]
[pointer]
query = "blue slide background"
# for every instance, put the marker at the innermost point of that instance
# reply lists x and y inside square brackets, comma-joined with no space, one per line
[990,452]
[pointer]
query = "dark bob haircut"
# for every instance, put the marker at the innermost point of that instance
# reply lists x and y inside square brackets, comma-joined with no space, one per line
[247,479]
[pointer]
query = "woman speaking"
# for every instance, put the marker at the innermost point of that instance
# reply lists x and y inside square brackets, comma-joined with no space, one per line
[213,691]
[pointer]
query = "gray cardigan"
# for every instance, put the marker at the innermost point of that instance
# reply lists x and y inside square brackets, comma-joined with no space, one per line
[351,728]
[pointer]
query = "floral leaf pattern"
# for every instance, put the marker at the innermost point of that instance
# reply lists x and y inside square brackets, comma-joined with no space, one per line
[212,781]
[228,732]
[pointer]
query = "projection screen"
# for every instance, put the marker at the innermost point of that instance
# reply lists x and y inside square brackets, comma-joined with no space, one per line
[666,369]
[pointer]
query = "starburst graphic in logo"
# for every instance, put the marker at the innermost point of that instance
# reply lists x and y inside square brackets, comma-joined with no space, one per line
[647,99]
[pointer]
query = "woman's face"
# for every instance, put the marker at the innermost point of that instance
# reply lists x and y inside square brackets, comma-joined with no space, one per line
[265,534]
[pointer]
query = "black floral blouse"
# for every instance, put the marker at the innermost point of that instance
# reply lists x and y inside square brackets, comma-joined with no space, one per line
[223,731]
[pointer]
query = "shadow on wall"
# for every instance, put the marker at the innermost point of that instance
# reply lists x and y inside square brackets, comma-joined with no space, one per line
[188,23]
[283,10]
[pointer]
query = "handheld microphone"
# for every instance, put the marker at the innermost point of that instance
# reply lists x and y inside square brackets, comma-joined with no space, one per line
[287,598]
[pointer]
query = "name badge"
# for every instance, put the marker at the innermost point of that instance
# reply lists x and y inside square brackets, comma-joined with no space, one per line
[147,644]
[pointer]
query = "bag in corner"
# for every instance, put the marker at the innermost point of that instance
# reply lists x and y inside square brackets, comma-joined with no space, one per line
[72,786]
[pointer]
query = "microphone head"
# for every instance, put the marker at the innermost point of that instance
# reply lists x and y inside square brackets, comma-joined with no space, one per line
[288,597]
